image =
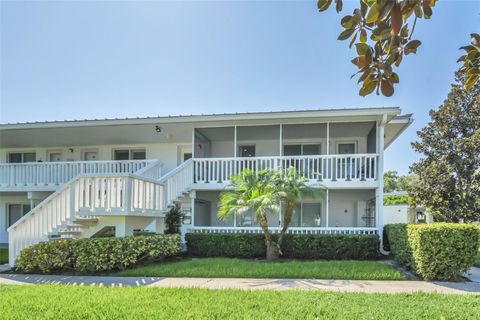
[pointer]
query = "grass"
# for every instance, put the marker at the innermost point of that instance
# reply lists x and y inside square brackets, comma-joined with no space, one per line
[3,255]
[238,268]
[69,302]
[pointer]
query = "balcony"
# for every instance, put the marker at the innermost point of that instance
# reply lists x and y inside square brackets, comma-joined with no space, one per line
[48,176]
[350,170]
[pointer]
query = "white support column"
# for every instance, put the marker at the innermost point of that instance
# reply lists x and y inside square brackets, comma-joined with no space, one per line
[193,143]
[327,204]
[328,138]
[379,190]
[193,195]
[235,141]
[280,140]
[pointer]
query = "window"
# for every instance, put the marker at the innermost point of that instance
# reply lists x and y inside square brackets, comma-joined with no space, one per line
[246,219]
[346,148]
[129,154]
[247,151]
[307,214]
[187,156]
[302,149]
[19,157]
[16,211]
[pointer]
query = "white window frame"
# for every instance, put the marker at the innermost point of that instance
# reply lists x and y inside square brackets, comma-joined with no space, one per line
[130,152]
[339,142]
[301,146]
[22,152]
[7,211]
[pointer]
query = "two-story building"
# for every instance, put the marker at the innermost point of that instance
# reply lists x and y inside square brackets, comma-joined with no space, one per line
[87,177]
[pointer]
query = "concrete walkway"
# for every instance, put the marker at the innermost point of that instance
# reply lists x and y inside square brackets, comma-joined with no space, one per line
[250,284]
[474,274]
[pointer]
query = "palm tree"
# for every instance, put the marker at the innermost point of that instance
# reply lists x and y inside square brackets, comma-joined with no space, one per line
[291,188]
[265,192]
[252,191]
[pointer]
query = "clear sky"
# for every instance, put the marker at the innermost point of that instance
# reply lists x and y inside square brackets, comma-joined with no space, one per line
[75,60]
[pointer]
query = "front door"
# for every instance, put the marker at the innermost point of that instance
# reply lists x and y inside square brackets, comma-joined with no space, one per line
[90,155]
[247,152]
[345,164]
[55,156]
[184,154]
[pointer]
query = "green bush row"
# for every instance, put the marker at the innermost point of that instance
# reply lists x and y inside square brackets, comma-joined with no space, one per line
[299,246]
[437,251]
[96,255]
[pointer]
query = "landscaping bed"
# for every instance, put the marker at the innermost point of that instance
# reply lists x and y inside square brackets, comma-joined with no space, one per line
[295,246]
[250,268]
[69,302]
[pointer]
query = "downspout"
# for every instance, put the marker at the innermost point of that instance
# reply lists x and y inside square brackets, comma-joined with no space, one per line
[381,150]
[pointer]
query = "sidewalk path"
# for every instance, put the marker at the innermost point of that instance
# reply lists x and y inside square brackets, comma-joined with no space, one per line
[474,274]
[250,284]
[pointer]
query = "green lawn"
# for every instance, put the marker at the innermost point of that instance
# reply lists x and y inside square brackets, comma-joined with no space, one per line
[3,255]
[238,268]
[69,302]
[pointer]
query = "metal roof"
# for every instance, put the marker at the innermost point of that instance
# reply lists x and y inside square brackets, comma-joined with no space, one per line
[211,115]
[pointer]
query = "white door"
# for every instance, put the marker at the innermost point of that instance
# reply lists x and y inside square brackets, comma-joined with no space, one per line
[90,155]
[55,156]
[184,154]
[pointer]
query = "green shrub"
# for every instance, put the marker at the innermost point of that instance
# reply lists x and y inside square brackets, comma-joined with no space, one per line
[437,251]
[331,246]
[46,257]
[299,246]
[238,245]
[174,219]
[396,199]
[96,255]
[398,240]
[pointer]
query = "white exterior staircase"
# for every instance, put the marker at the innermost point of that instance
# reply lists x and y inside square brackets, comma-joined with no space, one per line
[83,201]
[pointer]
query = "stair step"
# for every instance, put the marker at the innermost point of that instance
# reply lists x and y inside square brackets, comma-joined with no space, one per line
[85,221]
[62,232]
[77,225]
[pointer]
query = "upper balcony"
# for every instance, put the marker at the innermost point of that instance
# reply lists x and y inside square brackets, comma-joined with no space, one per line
[332,171]
[48,176]
[336,155]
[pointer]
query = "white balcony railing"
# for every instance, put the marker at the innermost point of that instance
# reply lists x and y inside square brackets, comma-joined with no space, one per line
[292,230]
[57,173]
[324,168]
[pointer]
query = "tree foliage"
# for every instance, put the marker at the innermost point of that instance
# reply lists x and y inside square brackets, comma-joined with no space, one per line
[174,219]
[393,182]
[382,33]
[471,61]
[449,172]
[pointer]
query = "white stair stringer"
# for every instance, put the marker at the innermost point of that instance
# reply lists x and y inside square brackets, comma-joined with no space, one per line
[80,203]
[178,183]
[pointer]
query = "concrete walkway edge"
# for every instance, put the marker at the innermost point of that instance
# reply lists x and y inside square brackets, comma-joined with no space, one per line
[367,286]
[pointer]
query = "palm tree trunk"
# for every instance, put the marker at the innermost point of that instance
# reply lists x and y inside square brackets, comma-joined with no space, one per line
[272,247]
[286,222]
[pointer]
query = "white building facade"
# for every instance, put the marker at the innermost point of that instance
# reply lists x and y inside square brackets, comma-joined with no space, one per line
[79,178]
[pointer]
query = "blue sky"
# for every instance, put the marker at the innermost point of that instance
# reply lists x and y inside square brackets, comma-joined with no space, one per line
[77,60]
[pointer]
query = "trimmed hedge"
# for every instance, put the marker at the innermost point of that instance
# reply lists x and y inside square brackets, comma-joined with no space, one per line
[298,246]
[437,251]
[96,254]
